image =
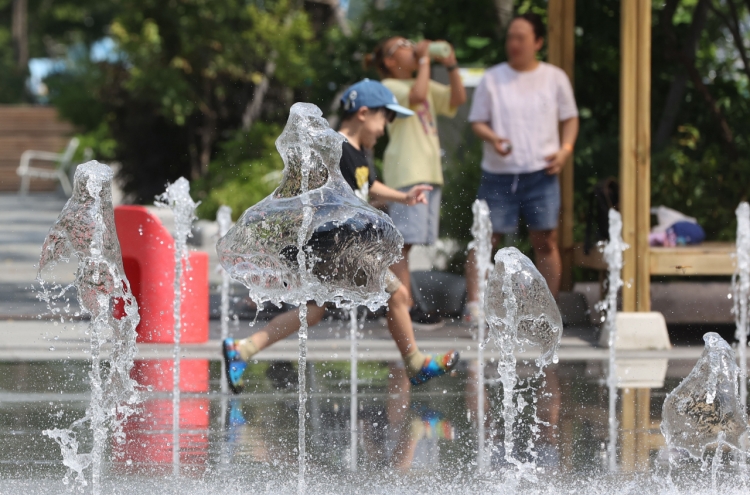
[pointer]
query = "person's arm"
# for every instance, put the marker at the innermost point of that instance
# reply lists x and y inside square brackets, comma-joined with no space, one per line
[485,133]
[458,92]
[556,161]
[418,93]
[415,195]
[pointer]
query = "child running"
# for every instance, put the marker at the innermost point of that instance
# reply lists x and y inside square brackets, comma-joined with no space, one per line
[368,106]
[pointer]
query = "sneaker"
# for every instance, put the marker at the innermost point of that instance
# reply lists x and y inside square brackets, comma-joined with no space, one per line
[425,321]
[234,365]
[472,313]
[435,365]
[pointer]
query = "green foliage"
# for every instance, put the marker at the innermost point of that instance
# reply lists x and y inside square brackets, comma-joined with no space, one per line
[183,75]
[172,103]
[247,169]
[696,178]
[461,178]
[189,57]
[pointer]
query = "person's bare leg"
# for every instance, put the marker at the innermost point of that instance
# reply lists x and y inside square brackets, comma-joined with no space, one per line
[399,322]
[401,270]
[470,271]
[547,256]
[399,414]
[280,328]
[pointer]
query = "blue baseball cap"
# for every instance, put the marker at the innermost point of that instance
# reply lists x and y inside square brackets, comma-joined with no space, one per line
[372,94]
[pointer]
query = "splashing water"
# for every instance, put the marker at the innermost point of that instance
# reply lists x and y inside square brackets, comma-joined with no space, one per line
[348,244]
[481,231]
[312,239]
[353,324]
[741,293]
[177,198]
[704,410]
[86,229]
[612,251]
[521,312]
[224,219]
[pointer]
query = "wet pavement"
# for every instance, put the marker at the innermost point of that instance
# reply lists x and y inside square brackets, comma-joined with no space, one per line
[405,439]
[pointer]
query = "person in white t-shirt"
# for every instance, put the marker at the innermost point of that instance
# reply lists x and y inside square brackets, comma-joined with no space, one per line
[525,112]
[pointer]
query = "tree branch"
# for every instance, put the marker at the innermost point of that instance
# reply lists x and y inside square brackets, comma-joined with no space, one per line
[255,105]
[504,10]
[733,25]
[677,88]
[697,80]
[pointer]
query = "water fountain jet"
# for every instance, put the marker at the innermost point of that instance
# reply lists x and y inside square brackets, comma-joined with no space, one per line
[705,410]
[741,293]
[481,231]
[612,251]
[520,312]
[177,198]
[312,239]
[85,229]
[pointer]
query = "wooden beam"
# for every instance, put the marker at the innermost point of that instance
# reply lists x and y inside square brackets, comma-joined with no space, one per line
[708,258]
[628,143]
[643,155]
[561,52]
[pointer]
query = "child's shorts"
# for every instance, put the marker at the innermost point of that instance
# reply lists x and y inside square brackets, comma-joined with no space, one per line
[418,224]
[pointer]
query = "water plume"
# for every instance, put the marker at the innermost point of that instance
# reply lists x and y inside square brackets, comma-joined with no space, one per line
[312,239]
[85,229]
[705,410]
[521,313]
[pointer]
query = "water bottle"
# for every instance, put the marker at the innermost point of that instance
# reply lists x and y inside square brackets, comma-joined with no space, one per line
[439,49]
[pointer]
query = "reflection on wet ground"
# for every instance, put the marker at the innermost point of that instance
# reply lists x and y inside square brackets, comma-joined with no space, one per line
[405,437]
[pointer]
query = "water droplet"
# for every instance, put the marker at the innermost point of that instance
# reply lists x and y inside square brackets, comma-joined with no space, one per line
[51,348]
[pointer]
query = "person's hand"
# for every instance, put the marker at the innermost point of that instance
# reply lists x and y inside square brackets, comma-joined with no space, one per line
[416,195]
[502,146]
[556,161]
[422,49]
[450,60]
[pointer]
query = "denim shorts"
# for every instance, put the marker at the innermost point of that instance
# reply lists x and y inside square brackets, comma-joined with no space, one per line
[418,224]
[534,196]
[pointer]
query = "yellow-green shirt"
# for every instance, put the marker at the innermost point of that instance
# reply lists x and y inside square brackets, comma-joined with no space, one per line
[413,152]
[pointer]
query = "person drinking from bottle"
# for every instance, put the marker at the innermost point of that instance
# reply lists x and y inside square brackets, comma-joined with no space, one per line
[413,153]
[525,112]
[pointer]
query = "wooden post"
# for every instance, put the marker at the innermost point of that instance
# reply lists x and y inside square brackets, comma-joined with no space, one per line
[635,151]
[628,144]
[643,157]
[561,52]
[643,427]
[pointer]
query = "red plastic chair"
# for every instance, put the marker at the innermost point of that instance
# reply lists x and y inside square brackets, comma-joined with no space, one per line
[148,259]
